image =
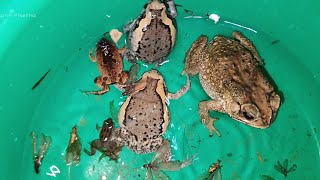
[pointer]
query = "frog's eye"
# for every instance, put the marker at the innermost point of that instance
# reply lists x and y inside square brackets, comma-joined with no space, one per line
[247,116]
[250,111]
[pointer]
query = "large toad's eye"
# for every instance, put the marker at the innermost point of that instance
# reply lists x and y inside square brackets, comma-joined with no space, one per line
[250,111]
[247,116]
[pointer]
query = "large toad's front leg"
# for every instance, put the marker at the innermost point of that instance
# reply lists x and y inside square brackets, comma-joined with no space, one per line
[204,108]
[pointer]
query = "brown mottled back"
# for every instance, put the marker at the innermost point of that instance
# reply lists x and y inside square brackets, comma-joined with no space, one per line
[109,61]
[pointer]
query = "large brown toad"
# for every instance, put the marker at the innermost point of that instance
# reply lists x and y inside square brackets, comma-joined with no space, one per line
[230,73]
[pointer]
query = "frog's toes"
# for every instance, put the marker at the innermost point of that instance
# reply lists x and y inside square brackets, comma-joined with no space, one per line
[209,125]
[161,61]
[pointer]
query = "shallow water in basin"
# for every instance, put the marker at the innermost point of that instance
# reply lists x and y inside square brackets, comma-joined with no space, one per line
[245,152]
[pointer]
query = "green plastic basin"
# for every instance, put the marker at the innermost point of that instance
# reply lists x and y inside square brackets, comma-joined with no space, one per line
[36,36]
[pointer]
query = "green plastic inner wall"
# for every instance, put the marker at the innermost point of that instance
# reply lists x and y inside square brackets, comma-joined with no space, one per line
[36,36]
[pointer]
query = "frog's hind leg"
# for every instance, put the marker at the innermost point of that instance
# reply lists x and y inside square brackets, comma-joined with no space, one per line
[122,80]
[123,77]
[193,56]
[100,82]
[99,92]
[204,108]
[93,147]
[181,92]
[248,44]
[122,50]
[163,153]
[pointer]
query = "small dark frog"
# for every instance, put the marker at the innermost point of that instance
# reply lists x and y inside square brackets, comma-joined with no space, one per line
[107,143]
[110,65]
[74,148]
[153,34]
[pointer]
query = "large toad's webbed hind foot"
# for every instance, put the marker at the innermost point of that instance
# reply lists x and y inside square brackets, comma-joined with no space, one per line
[204,108]
[193,56]
[248,44]
[181,92]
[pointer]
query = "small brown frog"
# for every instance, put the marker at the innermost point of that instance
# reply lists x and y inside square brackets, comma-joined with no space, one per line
[144,116]
[230,73]
[74,148]
[110,65]
[107,143]
[153,34]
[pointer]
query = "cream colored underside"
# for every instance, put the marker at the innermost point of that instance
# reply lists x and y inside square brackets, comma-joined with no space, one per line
[137,34]
[161,90]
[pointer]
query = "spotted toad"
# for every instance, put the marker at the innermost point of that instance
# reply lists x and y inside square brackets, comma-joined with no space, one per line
[230,72]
